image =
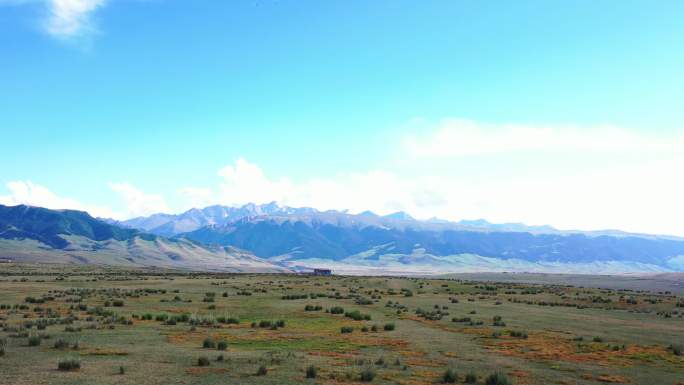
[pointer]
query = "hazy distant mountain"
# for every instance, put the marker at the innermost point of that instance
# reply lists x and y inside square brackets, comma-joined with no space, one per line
[193,219]
[400,215]
[268,237]
[399,242]
[35,234]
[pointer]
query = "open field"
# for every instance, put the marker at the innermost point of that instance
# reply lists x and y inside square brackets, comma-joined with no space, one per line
[672,282]
[158,326]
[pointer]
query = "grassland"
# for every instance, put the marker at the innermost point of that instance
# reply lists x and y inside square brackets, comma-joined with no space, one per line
[118,326]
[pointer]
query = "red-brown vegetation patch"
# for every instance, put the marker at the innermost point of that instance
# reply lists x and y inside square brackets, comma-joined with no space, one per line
[547,346]
[612,379]
[204,370]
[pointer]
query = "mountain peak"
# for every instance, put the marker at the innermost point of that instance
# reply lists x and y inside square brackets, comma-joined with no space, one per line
[400,215]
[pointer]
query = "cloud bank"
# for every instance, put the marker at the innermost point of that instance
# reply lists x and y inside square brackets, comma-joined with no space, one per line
[135,202]
[460,169]
[462,137]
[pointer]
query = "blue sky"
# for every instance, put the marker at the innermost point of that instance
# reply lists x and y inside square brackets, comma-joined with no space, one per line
[567,113]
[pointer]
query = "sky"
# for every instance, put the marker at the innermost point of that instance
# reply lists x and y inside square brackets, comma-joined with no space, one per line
[563,113]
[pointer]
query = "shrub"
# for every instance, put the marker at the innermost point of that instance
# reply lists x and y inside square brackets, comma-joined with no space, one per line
[262,371]
[203,361]
[208,343]
[70,364]
[598,339]
[497,379]
[357,316]
[122,370]
[346,329]
[34,341]
[450,376]
[118,303]
[677,349]
[61,344]
[518,334]
[367,374]
[470,378]
[336,310]
[311,372]
[265,324]
[222,345]
[389,326]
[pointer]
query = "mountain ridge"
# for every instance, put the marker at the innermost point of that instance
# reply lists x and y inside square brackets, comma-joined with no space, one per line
[36,234]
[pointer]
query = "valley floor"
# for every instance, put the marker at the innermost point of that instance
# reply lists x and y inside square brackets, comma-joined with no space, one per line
[168,327]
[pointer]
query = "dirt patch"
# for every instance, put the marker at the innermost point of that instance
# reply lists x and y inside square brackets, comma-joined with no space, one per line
[104,352]
[548,346]
[205,370]
[612,379]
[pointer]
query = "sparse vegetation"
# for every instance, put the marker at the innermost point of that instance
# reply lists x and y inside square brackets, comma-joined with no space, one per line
[311,371]
[449,377]
[290,340]
[203,361]
[69,365]
[497,379]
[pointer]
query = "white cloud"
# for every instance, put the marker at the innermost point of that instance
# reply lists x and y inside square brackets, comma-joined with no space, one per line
[641,196]
[71,18]
[29,193]
[137,202]
[245,182]
[197,196]
[66,19]
[462,137]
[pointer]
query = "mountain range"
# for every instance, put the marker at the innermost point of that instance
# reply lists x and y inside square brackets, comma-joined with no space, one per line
[34,234]
[271,237]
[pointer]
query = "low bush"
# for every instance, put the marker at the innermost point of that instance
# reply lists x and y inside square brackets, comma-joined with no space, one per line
[497,379]
[346,329]
[34,341]
[69,364]
[367,374]
[470,378]
[450,376]
[311,372]
[389,327]
[203,361]
[518,334]
[61,344]
[208,343]
[357,316]
[677,349]
[262,371]
[336,310]
[222,345]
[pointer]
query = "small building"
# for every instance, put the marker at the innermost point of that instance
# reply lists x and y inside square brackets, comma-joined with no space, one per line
[322,272]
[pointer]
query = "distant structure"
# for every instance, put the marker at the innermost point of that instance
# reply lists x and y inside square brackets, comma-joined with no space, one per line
[322,272]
